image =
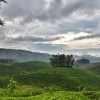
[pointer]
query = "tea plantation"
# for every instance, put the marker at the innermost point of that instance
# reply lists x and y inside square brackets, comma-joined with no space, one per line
[40,81]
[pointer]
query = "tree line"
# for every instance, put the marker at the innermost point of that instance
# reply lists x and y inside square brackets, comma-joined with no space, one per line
[62,60]
[8,60]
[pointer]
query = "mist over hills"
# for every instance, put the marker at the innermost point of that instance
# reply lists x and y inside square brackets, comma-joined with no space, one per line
[23,55]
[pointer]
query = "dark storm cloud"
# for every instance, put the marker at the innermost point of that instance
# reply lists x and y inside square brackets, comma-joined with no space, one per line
[87,37]
[58,10]
[36,38]
[82,6]
[22,8]
[36,9]
[33,10]
[52,13]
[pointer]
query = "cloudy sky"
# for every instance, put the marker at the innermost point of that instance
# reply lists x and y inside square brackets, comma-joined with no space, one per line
[51,26]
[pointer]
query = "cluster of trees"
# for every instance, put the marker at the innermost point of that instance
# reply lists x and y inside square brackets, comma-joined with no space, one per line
[1,22]
[7,60]
[83,60]
[62,60]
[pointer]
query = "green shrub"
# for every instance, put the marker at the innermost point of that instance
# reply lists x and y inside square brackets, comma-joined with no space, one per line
[95,96]
[12,85]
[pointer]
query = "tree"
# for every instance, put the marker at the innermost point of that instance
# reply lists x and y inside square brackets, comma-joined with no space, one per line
[1,22]
[12,85]
[52,60]
[62,60]
[69,60]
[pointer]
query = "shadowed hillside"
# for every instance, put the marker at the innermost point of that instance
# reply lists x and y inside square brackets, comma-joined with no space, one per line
[22,68]
[94,67]
[32,66]
[66,78]
[6,70]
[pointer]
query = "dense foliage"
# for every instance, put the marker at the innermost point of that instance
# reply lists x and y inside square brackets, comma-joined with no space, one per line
[62,60]
[7,60]
[33,94]
[83,60]
[12,85]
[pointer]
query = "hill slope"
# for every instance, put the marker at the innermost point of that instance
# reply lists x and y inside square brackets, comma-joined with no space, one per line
[32,66]
[66,78]
[22,68]
[94,67]
[6,70]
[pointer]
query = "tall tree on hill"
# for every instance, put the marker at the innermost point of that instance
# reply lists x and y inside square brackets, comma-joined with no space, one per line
[62,60]
[1,22]
[69,60]
[52,60]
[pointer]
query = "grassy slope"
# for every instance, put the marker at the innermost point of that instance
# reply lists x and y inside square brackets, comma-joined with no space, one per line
[66,78]
[32,66]
[55,79]
[94,67]
[6,69]
[58,95]
[17,68]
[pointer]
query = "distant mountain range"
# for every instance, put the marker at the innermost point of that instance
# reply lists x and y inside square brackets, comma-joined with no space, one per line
[23,55]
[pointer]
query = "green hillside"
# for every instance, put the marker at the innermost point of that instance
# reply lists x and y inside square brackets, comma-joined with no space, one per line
[94,67]
[65,72]
[65,78]
[6,69]
[32,66]
[50,83]
[22,68]
[58,95]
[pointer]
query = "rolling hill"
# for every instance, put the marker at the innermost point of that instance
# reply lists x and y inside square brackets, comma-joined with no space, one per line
[22,68]
[94,67]
[42,74]
[64,78]
[41,81]
[6,70]
[32,66]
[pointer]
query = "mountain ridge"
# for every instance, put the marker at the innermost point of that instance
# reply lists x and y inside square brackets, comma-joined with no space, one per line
[24,55]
